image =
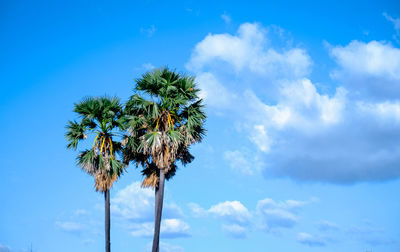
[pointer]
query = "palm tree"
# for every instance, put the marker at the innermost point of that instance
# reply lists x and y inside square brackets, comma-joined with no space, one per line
[101,117]
[163,119]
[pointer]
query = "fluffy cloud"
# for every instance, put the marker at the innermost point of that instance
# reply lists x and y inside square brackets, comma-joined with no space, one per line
[368,69]
[71,227]
[170,228]
[136,204]
[270,215]
[395,21]
[377,59]
[241,162]
[231,211]
[133,206]
[300,107]
[327,226]
[148,66]
[310,240]
[213,92]
[386,112]
[235,216]
[235,231]
[197,210]
[337,150]
[277,215]
[248,50]
[297,131]
[133,203]
[310,136]
[396,25]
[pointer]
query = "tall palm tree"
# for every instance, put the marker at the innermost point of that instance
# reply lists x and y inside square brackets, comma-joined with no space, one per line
[163,119]
[101,117]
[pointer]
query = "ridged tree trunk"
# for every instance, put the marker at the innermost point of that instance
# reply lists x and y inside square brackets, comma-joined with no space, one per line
[107,218]
[159,197]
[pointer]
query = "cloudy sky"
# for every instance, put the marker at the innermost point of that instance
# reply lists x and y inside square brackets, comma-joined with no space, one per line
[302,150]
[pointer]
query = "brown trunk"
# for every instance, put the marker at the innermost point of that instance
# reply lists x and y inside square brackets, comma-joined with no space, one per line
[107,218]
[159,197]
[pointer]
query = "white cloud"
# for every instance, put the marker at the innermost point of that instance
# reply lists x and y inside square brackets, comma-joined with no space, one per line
[197,210]
[375,59]
[260,138]
[236,218]
[327,226]
[385,112]
[71,227]
[235,231]
[300,108]
[343,136]
[231,211]
[170,228]
[274,216]
[133,207]
[270,216]
[212,91]
[287,204]
[279,218]
[133,203]
[227,19]
[302,99]
[396,25]
[145,229]
[310,240]
[148,66]
[395,21]
[136,204]
[334,147]
[240,162]
[304,102]
[248,50]
[277,215]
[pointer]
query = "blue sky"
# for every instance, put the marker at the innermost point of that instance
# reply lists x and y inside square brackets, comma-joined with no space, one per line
[303,112]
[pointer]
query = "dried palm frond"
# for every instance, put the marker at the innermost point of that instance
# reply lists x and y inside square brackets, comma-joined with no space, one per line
[150,181]
[103,181]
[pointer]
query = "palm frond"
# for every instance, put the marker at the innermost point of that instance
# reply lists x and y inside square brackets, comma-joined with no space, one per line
[165,125]
[152,174]
[89,161]
[102,116]
[75,132]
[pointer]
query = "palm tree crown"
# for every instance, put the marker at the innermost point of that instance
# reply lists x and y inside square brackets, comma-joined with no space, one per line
[162,127]
[99,116]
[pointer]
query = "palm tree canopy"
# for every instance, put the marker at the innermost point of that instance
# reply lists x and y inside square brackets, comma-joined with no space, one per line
[100,116]
[163,119]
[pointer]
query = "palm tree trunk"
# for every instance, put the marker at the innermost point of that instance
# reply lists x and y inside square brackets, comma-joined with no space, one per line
[107,218]
[159,204]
